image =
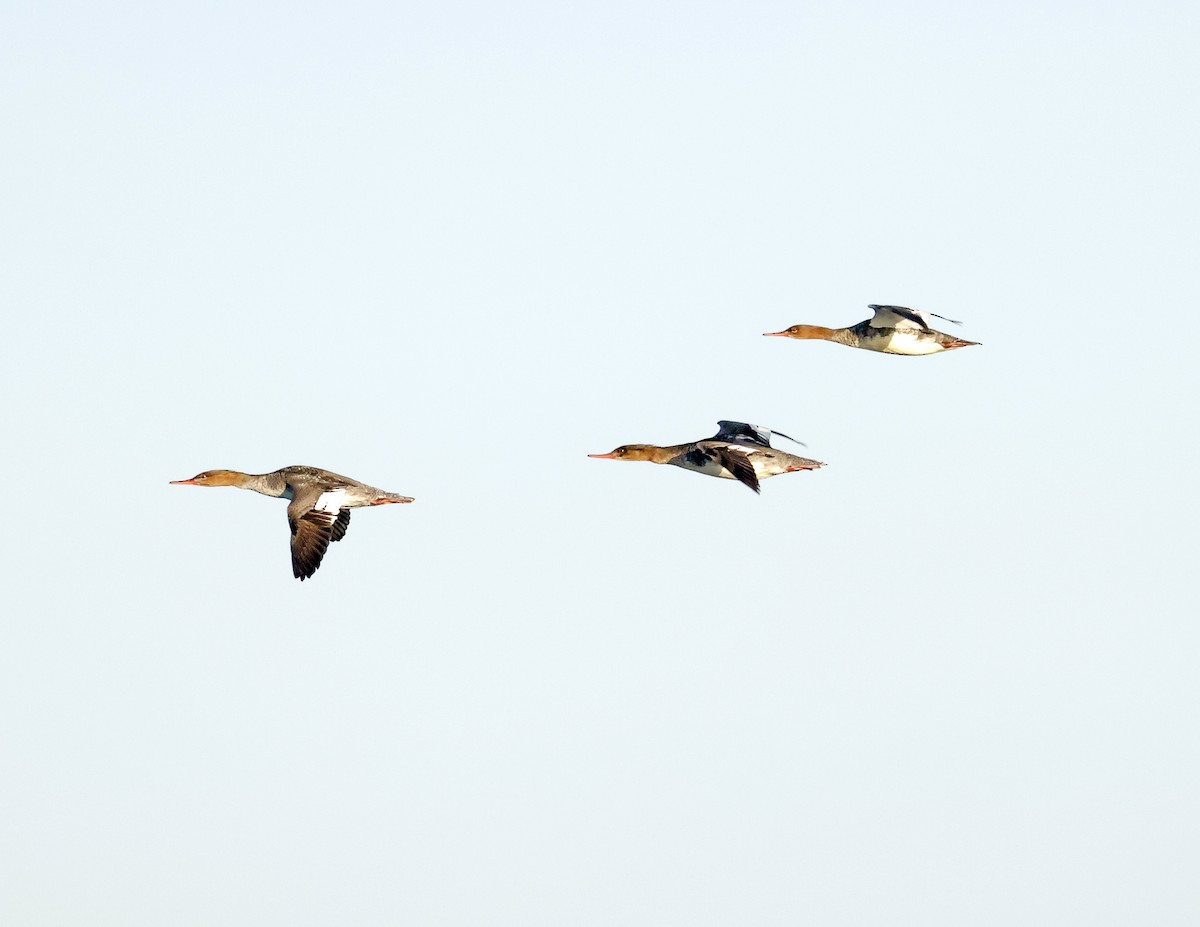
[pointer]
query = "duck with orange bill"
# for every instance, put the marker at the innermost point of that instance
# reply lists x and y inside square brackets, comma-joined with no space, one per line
[892,330]
[736,452]
[319,504]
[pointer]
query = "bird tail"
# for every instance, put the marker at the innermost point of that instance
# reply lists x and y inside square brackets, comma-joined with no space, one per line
[386,497]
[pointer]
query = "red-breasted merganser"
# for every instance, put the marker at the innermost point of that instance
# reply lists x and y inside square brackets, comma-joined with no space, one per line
[319,507]
[736,452]
[893,330]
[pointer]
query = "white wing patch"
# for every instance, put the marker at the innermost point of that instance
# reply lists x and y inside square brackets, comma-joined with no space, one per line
[333,500]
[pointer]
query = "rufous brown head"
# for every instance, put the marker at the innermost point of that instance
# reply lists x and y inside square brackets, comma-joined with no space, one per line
[213,478]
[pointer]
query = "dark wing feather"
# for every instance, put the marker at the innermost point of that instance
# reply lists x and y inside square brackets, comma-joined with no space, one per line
[917,318]
[741,433]
[339,527]
[739,465]
[904,312]
[699,456]
[312,530]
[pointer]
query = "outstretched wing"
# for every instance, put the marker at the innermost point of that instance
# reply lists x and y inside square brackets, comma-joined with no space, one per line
[741,433]
[738,463]
[903,317]
[312,515]
[898,317]
[340,525]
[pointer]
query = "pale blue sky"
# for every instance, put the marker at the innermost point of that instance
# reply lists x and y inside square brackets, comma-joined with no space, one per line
[451,249]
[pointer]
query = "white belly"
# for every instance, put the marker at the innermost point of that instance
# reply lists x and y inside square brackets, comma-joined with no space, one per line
[908,342]
[711,468]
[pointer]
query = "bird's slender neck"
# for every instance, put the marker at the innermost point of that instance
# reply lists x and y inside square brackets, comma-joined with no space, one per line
[269,484]
[662,455]
[821,333]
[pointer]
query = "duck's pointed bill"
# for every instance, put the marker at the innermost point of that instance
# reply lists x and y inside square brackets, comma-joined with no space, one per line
[782,334]
[608,456]
[191,482]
